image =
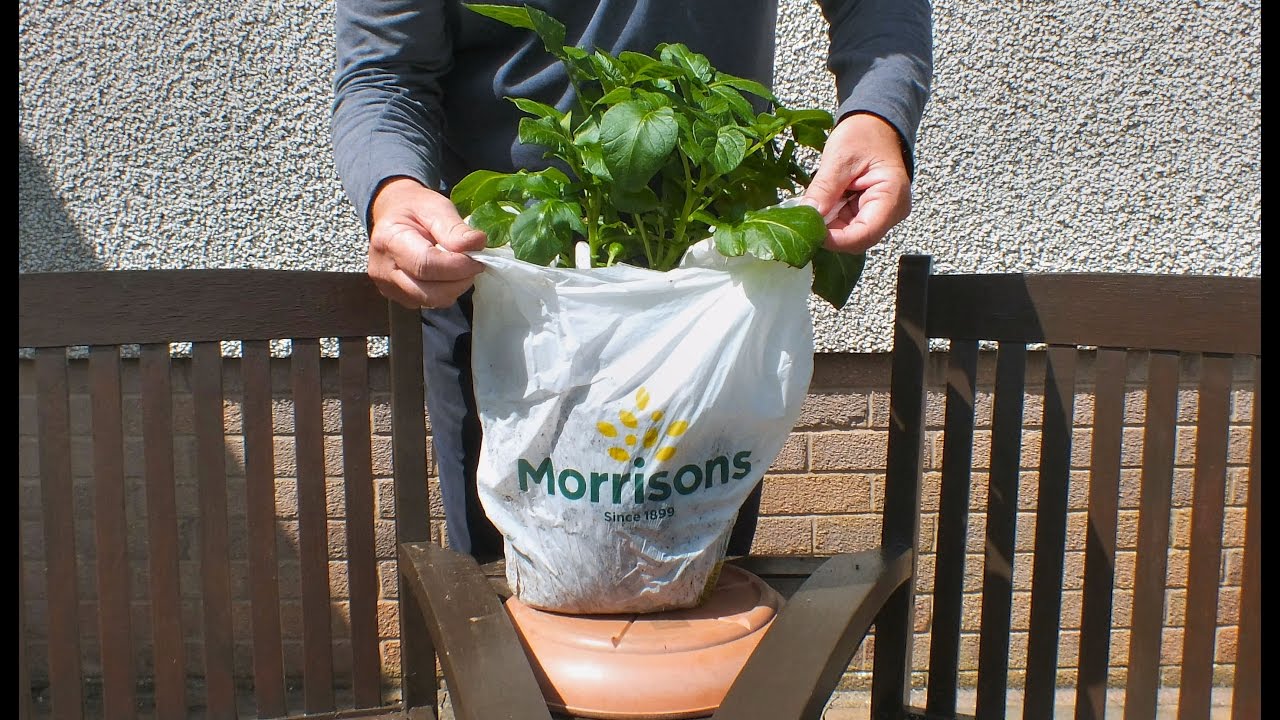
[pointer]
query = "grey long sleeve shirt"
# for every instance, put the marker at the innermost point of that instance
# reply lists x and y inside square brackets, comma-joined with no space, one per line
[420,85]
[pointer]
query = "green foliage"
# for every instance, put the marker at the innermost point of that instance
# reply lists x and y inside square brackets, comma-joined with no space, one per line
[662,150]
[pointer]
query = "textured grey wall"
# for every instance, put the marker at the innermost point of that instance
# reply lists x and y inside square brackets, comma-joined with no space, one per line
[1062,135]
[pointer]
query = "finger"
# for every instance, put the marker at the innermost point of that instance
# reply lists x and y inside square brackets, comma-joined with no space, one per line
[828,187]
[449,231]
[428,295]
[871,220]
[427,262]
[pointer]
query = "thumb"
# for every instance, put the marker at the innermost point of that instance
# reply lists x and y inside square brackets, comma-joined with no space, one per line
[451,233]
[827,189]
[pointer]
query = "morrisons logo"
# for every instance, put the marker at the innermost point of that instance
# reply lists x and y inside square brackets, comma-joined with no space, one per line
[637,433]
[604,486]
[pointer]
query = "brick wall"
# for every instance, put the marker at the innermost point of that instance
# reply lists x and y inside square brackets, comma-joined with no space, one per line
[823,494]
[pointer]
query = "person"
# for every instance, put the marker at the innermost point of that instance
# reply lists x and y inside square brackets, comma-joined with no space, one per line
[420,90]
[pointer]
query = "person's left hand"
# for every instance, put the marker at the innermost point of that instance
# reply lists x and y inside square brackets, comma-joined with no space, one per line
[862,160]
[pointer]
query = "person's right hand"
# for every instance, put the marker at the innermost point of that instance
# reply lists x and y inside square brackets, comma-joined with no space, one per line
[417,245]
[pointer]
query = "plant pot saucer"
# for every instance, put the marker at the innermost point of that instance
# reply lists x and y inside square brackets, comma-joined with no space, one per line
[672,664]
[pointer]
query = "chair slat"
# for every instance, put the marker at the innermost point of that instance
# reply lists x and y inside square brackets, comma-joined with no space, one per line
[953,528]
[111,528]
[891,674]
[1207,506]
[1100,541]
[215,540]
[24,671]
[1002,507]
[65,672]
[260,501]
[1051,532]
[409,448]
[1246,701]
[1157,311]
[362,577]
[1149,580]
[162,533]
[313,528]
[203,304]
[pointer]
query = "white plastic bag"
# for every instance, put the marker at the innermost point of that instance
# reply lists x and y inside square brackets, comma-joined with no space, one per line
[627,413]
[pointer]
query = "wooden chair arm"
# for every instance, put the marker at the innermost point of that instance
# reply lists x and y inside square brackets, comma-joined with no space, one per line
[801,658]
[483,660]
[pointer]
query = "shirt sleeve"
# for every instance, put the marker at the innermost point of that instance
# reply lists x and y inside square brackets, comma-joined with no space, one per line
[387,114]
[882,59]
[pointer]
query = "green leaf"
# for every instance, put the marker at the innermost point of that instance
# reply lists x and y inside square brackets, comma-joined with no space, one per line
[835,275]
[695,65]
[730,149]
[790,234]
[475,189]
[533,107]
[550,30]
[525,185]
[615,96]
[809,126]
[593,161]
[495,220]
[546,229]
[634,201]
[636,142]
[738,104]
[547,133]
[745,85]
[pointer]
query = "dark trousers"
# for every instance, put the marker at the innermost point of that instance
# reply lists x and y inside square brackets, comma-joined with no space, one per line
[455,429]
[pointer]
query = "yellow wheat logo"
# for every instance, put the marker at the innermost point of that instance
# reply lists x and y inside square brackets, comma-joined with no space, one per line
[633,440]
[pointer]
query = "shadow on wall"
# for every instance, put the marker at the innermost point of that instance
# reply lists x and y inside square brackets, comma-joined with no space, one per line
[48,239]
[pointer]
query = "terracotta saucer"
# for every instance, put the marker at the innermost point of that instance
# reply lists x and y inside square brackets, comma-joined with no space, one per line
[673,664]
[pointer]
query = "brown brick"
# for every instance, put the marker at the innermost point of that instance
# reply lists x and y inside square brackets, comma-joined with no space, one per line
[388,619]
[339,582]
[1082,409]
[1188,405]
[923,614]
[824,494]
[337,540]
[286,498]
[380,413]
[833,410]
[1171,646]
[1225,645]
[925,564]
[858,450]
[381,455]
[1242,405]
[846,533]
[1131,447]
[1122,607]
[1077,530]
[1239,439]
[783,536]
[1175,607]
[1233,526]
[1237,486]
[388,579]
[286,460]
[878,415]
[335,497]
[794,455]
[1232,565]
[1228,605]
[385,498]
[1177,569]
[1185,443]
[1180,528]
[384,538]
[390,658]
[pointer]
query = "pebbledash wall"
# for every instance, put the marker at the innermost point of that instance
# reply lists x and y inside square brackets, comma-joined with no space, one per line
[1061,135]
[823,494]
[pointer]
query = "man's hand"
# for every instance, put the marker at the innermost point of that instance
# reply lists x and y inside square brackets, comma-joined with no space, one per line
[863,161]
[416,246]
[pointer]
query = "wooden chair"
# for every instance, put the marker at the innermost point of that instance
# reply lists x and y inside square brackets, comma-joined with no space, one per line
[109,311]
[1109,323]
[1112,320]
[450,604]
